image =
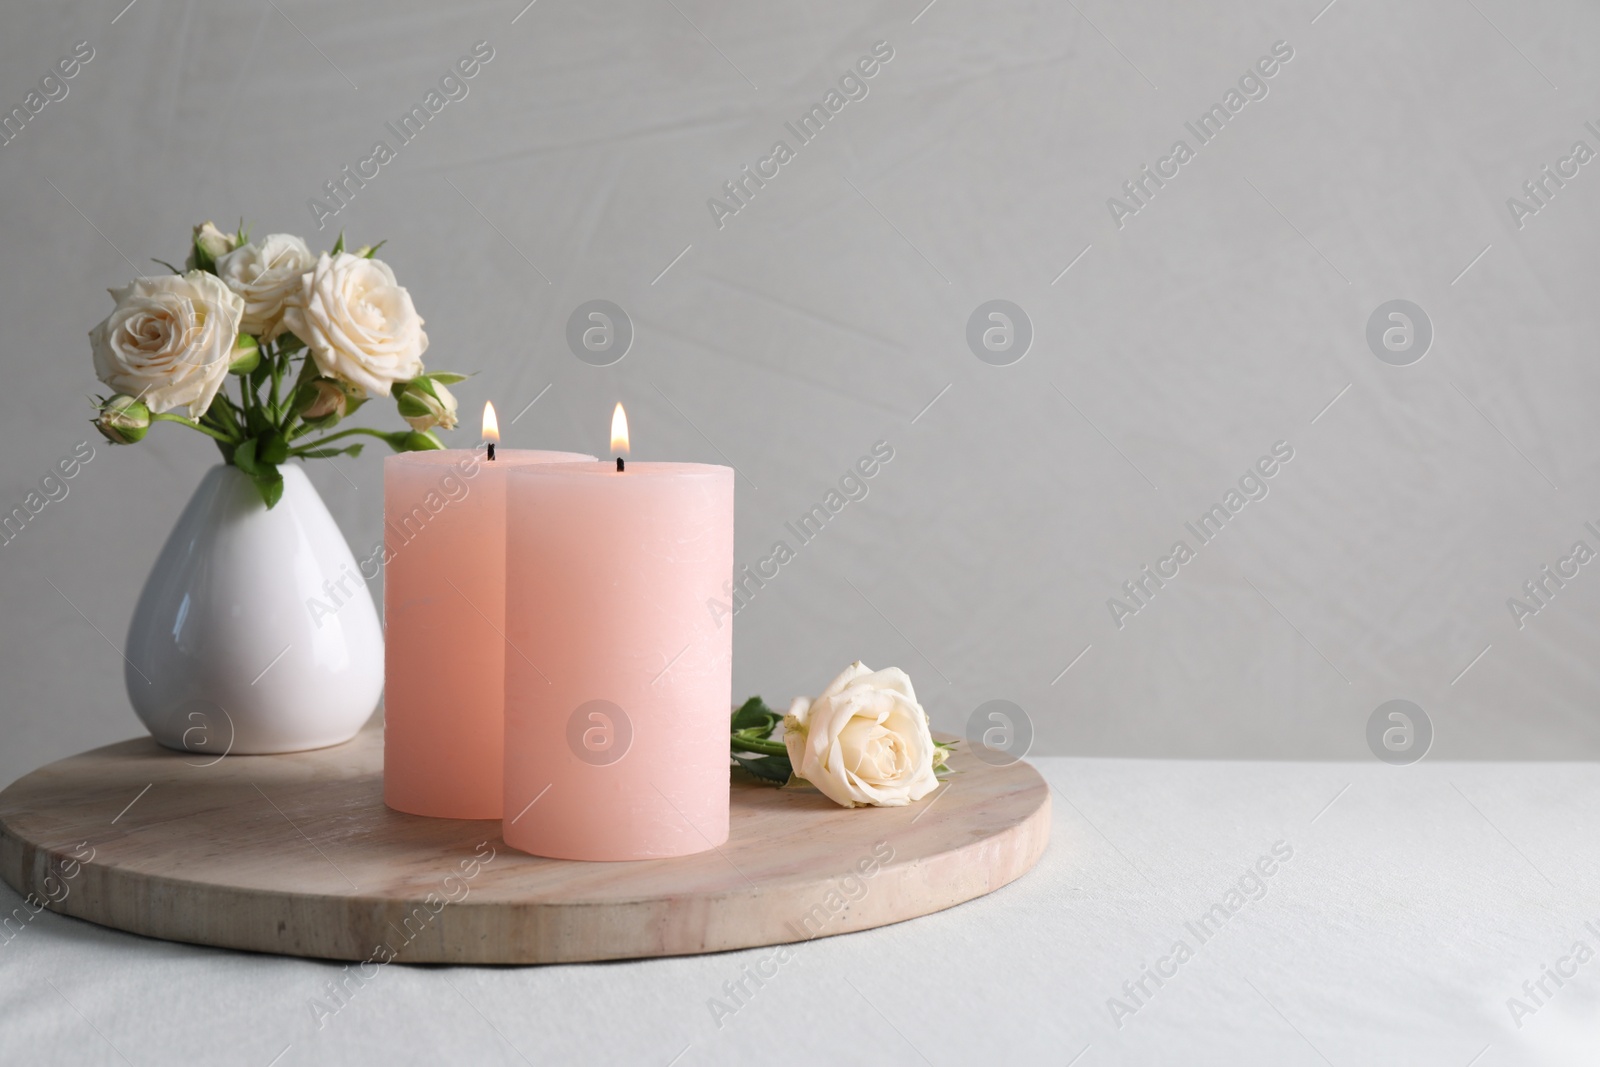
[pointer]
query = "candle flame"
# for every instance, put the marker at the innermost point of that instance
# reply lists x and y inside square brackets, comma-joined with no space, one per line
[619,432]
[491,425]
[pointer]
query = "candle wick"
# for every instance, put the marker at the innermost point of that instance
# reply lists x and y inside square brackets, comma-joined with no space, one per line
[491,451]
[619,464]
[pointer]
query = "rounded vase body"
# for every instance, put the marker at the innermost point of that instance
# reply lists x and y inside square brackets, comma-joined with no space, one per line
[255,632]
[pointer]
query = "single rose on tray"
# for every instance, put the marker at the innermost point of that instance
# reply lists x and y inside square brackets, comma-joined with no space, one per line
[863,741]
[309,337]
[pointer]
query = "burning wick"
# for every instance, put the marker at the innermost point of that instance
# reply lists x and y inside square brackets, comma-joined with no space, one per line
[491,429]
[619,435]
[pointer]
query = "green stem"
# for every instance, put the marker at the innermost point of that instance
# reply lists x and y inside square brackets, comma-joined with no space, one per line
[323,441]
[292,427]
[231,416]
[219,416]
[247,396]
[193,425]
[277,378]
[766,748]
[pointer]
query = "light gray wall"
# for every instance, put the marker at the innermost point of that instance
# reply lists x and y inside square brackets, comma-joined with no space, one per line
[1218,320]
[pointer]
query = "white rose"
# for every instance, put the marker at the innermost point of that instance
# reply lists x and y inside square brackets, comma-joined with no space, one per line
[358,322]
[865,740]
[266,274]
[169,340]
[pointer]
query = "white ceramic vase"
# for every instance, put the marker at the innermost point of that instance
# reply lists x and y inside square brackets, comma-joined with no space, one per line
[255,632]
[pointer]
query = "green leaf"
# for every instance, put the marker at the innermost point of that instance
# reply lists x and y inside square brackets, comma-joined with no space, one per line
[445,377]
[244,457]
[775,769]
[328,453]
[269,482]
[170,267]
[272,448]
[338,246]
[369,253]
[751,714]
[288,344]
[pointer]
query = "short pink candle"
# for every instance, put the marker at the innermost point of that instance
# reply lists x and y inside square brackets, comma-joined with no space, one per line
[618,680]
[443,608]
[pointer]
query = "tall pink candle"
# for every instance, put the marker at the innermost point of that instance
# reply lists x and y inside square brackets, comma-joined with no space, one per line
[618,679]
[443,608]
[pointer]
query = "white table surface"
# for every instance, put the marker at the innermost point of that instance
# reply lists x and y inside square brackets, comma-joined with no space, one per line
[1413,906]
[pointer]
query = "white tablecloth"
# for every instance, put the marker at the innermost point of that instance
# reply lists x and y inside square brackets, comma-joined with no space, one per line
[1413,904]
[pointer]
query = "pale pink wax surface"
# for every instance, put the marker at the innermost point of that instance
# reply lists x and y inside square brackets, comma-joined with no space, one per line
[610,603]
[443,607]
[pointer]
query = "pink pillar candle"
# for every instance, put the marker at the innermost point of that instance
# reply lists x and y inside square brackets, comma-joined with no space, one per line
[618,676]
[443,608]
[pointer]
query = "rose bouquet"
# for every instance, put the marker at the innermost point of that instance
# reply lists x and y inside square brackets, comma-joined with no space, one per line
[864,741]
[310,339]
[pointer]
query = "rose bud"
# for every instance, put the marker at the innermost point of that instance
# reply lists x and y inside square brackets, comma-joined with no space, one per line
[246,355]
[321,402]
[417,441]
[210,245]
[425,405]
[123,419]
